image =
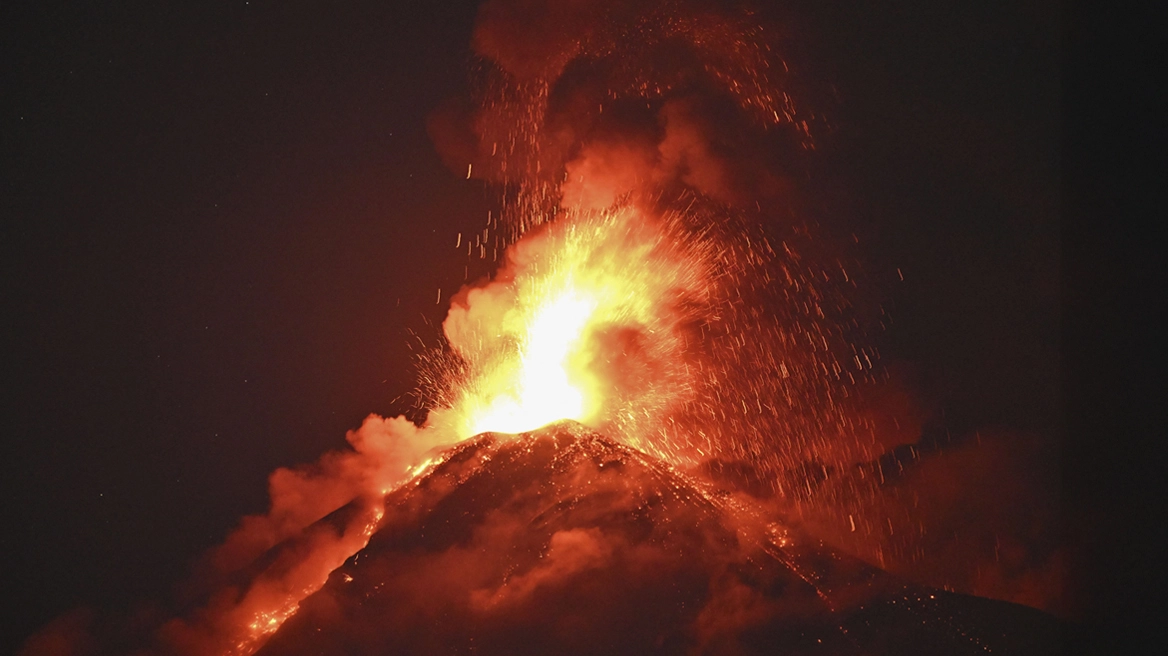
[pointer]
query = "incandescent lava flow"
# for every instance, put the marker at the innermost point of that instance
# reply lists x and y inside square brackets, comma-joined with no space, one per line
[563,541]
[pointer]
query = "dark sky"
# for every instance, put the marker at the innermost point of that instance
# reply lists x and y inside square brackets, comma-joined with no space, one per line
[221,221]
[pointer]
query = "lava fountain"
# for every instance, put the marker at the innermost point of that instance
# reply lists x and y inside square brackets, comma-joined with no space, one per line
[588,321]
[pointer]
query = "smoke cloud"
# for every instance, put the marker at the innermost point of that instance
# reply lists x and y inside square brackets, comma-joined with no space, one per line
[243,589]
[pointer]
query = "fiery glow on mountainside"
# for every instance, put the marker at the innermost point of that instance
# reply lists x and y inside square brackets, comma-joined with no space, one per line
[273,602]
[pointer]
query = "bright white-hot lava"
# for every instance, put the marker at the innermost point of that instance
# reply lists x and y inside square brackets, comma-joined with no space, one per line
[586,322]
[540,389]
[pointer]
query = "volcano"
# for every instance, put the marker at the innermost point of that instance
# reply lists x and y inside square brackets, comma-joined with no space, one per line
[564,541]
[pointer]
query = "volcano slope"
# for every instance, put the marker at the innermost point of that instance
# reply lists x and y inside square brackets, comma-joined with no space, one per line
[561,541]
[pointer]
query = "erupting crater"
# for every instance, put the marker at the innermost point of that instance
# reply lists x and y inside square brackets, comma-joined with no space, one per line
[564,541]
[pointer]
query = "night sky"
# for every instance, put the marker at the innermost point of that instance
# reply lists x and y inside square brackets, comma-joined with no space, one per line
[225,223]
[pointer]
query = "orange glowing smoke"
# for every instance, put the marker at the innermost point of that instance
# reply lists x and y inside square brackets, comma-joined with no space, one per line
[268,603]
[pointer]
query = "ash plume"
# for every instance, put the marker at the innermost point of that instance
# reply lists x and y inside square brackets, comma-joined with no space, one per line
[691,110]
[683,113]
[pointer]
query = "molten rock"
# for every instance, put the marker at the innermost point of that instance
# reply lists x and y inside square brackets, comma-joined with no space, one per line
[561,541]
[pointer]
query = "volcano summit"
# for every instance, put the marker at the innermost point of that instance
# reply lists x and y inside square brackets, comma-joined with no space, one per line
[563,541]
